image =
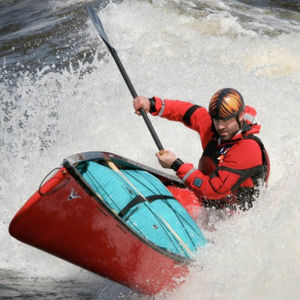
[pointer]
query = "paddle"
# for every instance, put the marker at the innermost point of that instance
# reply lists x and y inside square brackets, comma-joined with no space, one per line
[97,23]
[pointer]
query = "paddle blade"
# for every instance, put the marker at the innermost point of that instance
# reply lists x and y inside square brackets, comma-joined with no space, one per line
[97,23]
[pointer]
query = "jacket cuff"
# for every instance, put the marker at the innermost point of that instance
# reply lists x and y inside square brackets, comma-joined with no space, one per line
[177,164]
[152,105]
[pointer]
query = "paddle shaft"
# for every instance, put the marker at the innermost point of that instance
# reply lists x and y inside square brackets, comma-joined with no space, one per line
[134,95]
[98,25]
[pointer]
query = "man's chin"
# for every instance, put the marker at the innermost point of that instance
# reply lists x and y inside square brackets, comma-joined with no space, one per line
[225,137]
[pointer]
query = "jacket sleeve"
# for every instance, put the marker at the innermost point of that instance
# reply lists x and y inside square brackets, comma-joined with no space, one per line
[242,159]
[193,116]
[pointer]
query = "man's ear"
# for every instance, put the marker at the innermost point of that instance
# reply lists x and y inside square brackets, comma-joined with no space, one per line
[241,117]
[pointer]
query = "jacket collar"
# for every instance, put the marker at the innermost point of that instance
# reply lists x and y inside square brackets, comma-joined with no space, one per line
[246,129]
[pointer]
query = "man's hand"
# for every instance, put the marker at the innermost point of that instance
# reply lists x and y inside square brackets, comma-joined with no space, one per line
[166,158]
[141,102]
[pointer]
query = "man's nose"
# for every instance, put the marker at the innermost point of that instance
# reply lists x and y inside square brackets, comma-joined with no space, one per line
[220,124]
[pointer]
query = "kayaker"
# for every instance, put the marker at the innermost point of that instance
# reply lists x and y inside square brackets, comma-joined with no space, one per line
[234,163]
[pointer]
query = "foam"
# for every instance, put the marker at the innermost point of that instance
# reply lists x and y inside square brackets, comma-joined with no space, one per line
[170,53]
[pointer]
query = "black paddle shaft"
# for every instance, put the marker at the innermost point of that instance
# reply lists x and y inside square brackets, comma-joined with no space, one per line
[97,23]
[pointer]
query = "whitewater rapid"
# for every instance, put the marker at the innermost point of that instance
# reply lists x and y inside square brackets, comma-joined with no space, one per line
[172,51]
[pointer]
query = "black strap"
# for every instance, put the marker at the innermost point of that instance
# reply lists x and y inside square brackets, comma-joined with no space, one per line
[244,174]
[249,173]
[139,199]
[187,116]
[212,151]
[265,157]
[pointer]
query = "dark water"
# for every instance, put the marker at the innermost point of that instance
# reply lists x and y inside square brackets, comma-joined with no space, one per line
[285,5]
[35,34]
[16,285]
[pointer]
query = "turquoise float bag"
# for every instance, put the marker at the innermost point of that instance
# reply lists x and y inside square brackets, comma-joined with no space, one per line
[161,220]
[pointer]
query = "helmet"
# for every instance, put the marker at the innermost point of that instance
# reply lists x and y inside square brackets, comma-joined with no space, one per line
[226,104]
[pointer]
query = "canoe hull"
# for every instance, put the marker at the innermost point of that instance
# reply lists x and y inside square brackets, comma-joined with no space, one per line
[66,219]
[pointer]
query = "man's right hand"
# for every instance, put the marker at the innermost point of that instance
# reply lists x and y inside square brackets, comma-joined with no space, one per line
[141,102]
[166,158]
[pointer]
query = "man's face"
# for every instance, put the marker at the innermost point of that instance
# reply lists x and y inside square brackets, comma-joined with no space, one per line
[227,129]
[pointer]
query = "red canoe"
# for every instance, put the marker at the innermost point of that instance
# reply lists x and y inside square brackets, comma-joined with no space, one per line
[66,218]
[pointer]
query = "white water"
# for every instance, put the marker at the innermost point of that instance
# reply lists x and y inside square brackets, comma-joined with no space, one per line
[169,52]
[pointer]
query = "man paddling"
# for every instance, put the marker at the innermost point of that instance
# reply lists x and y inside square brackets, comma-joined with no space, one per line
[234,163]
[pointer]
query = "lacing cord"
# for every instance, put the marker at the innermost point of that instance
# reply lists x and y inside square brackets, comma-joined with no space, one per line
[56,188]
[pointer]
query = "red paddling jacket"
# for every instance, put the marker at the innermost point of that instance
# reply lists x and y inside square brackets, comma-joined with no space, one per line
[229,173]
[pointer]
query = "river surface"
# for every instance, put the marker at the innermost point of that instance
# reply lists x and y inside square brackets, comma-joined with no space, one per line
[61,93]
